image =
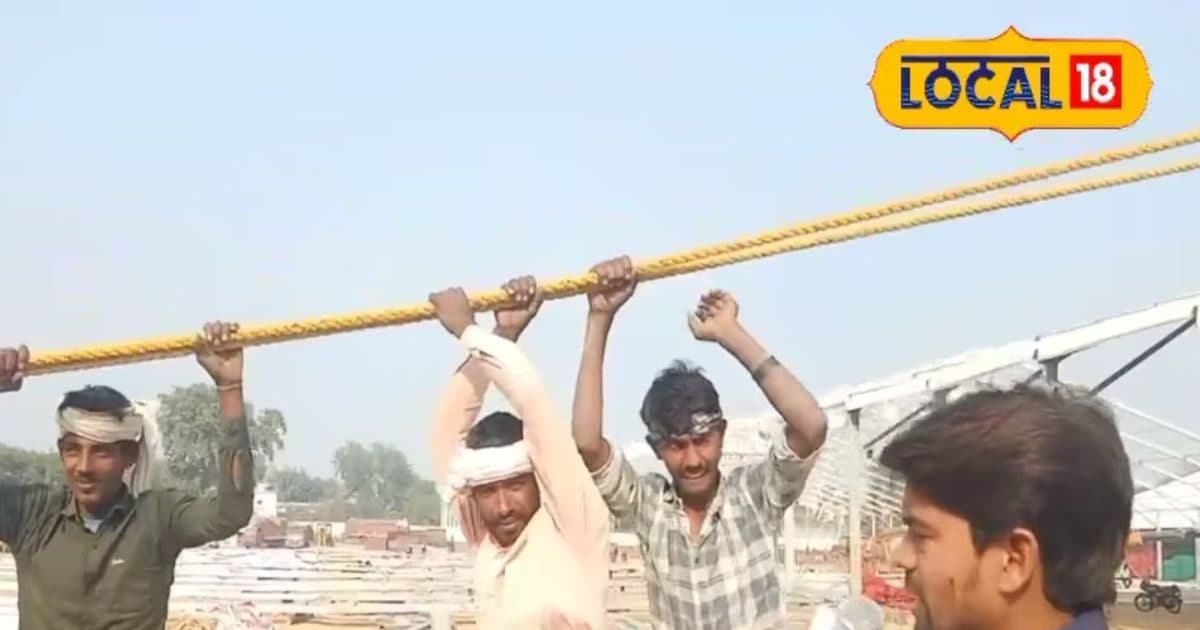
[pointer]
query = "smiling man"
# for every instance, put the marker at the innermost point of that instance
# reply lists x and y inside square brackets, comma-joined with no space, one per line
[527,505]
[1018,504]
[708,538]
[100,551]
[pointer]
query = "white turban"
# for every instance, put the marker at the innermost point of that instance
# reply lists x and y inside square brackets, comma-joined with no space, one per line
[478,466]
[137,423]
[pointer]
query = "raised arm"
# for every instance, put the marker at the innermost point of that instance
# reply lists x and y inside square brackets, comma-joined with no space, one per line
[613,476]
[805,425]
[456,412]
[19,503]
[568,493]
[617,283]
[194,521]
[460,404]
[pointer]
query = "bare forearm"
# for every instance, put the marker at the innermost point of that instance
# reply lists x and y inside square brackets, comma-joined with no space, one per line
[587,412]
[196,520]
[231,402]
[806,423]
[241,464]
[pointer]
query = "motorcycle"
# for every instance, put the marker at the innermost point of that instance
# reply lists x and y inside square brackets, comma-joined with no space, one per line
[1156,595]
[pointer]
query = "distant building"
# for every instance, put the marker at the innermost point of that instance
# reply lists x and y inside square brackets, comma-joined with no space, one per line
[449,516]
[266,502]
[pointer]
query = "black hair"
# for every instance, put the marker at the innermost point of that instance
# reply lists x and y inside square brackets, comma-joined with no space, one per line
[1051,461]
[677,393]
[96,399]
[498,428]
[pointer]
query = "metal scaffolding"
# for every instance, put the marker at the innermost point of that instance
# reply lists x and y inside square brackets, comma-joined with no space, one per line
[848,486]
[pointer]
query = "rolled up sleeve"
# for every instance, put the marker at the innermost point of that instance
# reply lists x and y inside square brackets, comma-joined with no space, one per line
[618,484]
[775,483]
[193,521]
[787,472]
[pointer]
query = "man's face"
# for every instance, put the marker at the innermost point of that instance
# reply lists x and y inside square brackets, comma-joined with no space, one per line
[94,470]
[692,461]
[944,570]
[507,505]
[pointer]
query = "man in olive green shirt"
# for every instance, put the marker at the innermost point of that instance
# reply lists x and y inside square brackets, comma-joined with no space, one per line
[99,553]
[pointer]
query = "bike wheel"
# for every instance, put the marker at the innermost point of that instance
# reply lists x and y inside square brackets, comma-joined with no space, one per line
[1173,605]
[1143,602]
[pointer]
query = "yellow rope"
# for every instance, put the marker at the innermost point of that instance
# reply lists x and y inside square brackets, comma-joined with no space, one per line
[893,224]
[804,235]
[912,203]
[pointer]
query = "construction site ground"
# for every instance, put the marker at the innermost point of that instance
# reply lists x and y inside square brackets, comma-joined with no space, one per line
[351,588]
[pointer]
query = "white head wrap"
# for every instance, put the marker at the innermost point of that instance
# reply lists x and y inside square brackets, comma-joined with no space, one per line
[478,466]
[137,423]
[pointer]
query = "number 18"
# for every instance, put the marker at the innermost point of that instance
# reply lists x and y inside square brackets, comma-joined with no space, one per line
[1096,81]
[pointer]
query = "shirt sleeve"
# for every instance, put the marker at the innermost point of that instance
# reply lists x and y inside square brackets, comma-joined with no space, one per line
[777,482]
[568,492]
[456,412]
[20,505]
[193,521]
[619,484]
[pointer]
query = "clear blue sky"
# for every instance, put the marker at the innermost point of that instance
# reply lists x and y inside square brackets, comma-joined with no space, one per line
[162,165]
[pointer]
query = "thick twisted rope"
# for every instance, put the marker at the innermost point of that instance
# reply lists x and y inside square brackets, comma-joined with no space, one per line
[971,189]
[827,230]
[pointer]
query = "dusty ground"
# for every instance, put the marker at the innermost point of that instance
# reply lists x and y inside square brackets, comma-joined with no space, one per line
[1124,617]
[1187,619]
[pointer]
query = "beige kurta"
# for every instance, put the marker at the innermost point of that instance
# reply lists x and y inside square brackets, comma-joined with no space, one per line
[559,563]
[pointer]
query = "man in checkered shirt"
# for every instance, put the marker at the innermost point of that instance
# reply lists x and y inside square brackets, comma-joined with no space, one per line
[707,538]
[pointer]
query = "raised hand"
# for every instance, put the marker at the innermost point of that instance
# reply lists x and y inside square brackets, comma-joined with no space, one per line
[223,364]
[525,300]
[618,279]
[12,367]
[453,310]
[715,317]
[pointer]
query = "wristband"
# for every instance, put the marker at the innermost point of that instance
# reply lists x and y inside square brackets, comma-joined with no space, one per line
[763,367]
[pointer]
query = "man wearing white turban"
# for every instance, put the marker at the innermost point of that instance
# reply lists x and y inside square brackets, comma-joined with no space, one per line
[528,507]
[100,551]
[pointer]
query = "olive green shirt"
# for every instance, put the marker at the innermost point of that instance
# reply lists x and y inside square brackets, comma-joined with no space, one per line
[118,578]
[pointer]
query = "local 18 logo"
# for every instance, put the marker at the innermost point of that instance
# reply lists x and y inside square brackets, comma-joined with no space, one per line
[1011,83]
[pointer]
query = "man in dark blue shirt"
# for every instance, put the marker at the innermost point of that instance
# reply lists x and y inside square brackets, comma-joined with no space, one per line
[1017,505]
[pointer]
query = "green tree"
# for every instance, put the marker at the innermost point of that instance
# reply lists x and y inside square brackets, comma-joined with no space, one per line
[375,476]
[189,420]
[21,466]
[381,483]
[423,504]
[295,485]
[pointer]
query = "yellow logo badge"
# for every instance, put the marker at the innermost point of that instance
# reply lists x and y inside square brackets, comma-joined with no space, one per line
[1011,83]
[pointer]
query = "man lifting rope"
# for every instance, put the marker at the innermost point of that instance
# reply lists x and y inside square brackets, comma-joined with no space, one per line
[101,550]
[527,505]
[708,537]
